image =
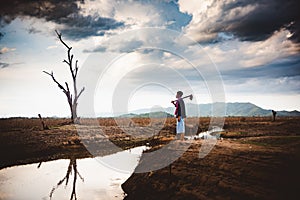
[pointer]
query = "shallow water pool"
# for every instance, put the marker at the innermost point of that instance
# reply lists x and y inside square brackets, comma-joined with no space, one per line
[88,178]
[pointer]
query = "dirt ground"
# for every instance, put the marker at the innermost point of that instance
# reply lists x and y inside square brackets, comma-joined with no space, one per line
[23,141]
[254,158]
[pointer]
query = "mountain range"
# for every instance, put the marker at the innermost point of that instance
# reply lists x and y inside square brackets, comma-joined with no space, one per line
[203,110]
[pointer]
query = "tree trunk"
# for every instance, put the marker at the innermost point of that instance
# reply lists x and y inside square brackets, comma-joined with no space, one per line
[72,98]
[74,113]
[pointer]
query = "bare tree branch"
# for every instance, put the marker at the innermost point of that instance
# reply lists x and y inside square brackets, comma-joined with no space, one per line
[81,91]
[67,86]
[71,167]
[59,37]
[82,179]
[76,68]
[58,84]
[72,97]
[66,62]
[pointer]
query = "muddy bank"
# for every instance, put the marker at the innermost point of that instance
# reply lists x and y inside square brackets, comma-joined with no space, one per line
[264,164]
[233,170]
[22,141]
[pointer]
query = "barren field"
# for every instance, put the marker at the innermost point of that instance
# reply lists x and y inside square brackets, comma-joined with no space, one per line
[23,141]
[254,158]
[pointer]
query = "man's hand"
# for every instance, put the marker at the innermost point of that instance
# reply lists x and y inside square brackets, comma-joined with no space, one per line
[178,118]
[173,102]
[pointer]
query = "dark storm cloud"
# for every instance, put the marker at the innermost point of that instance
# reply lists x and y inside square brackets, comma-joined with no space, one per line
[51,10]
[268,17]
[249,20]
[285,68]
[82,27]
[288,68]
[65,13]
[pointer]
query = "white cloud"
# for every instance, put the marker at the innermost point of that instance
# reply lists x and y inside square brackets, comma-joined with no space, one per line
[238,54]
[52,47]
[265,85]
[135,14]
[234,54]
[275,47]
[138,14]
[194,7]
[228,55]
[6,50]
[209,17]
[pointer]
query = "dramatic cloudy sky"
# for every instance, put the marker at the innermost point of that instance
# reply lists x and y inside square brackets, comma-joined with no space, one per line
[146,50]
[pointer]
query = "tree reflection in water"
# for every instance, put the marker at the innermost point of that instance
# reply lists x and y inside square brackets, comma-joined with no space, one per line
[72,167]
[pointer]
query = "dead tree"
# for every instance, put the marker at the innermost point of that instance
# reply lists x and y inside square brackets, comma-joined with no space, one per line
[44,125]
[73,67]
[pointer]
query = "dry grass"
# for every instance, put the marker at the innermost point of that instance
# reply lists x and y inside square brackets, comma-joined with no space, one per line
[20,123]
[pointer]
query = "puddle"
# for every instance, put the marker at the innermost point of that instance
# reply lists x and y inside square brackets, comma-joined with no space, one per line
[71,178]
[207,134]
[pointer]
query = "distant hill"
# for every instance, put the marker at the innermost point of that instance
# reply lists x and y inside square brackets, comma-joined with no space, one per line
[130,115]
[232,109]
[245,109]
[249,109]
[159,114]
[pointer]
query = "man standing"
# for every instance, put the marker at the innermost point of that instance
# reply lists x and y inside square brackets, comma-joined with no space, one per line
[180,115]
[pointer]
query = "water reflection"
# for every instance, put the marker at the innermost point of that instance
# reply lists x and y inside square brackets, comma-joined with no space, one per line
[72,167]
[67,179]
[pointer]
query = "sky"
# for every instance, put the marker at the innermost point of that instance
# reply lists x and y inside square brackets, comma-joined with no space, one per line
[137,54]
